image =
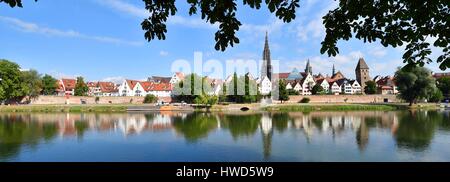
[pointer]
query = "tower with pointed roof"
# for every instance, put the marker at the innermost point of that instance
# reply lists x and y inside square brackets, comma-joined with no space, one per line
[308,68]
[266,69]
[333,71]
[362,73]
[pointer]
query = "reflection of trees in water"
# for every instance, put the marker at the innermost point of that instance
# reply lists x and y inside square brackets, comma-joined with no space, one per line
[241,125]
[280,121]
[416,129]
[195,126]
[17,131]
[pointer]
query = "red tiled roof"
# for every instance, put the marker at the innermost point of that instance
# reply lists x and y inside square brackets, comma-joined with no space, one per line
[69,84]
[159,87]
[440,75]
[283,75]
[180,75]
[132,83]
[107,87]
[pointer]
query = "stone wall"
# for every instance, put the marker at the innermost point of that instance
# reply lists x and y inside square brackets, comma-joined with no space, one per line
[345,98]
[90,100]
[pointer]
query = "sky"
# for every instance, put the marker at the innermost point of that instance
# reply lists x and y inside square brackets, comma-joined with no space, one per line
[103,40]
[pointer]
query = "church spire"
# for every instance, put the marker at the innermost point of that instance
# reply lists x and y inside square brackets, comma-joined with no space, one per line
[266,69]
[334,71]
[308,68]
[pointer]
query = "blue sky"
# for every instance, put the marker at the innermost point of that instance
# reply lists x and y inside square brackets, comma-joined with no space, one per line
[103,40]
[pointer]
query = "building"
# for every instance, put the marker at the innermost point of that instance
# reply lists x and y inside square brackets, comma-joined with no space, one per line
[160,79]
[324,84]
[307,83]
[440,75]
[265,86]
[177,77]
[266,70]
[386,85]
[159,90]
[103,89]
[350,87]
[131,88]
[143,88]
[335,88]
[308,68]
[362,73]
[66,87]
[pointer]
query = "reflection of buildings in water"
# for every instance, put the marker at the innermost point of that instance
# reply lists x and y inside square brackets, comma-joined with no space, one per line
[137,123]
[336,123]
[362,136]
[219,123]
[70,124]
[267,133]
[132,124]
[66,126]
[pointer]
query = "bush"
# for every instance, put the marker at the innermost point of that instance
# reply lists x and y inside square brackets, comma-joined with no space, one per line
[305,100]
[436,96]
[149,99]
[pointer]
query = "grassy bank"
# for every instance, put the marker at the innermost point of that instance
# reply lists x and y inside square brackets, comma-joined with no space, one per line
[330,107]
[64,108]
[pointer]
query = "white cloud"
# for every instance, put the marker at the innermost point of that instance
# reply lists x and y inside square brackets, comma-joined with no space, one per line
[378,52]
[34,28]
[163,53]
[141,12]
[313,29]
[356,55]
[116,79]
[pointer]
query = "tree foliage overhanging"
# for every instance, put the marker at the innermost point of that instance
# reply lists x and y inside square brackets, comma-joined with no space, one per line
[392,22]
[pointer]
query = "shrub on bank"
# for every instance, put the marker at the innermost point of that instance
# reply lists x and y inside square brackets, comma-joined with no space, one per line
[305,100]
[150,99]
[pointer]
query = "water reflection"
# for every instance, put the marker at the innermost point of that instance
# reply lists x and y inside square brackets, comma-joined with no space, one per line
[409,130]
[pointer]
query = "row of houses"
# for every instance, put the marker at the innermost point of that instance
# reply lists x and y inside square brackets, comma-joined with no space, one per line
[156,85]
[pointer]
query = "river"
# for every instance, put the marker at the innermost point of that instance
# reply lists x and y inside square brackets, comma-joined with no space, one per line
[216,137]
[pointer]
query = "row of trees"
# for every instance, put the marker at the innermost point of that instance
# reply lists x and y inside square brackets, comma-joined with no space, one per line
[16,84]
[196,89]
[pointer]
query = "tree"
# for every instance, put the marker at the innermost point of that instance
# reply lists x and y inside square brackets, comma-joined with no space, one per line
[436,96]
[150,98]
[443,84]
[392,22]
[317,89]
[31,83]
[292,92]
[13,3]
[49,85]
[371,87]
[414,83]
[81,88]
[190,88]
[10,81]
[249,93]
[284,95]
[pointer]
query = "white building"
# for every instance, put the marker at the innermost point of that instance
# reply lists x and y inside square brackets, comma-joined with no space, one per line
[265,86]
[307,83]
[324,84]
[351,87]
[335,88]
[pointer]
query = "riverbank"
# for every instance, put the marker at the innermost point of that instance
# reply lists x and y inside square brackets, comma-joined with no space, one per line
[117,108]
[330,107]
[65,108]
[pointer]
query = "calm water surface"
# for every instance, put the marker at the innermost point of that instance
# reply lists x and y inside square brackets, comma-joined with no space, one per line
[316,136]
